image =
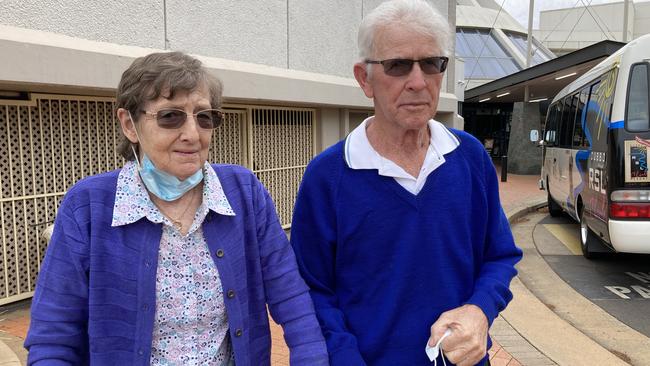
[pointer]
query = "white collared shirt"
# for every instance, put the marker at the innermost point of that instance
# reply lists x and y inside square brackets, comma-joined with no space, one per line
[359,154]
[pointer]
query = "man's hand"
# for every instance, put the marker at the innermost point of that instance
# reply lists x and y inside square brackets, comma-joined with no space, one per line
[467,343]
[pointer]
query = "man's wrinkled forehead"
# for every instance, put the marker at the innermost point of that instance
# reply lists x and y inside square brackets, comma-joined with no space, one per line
[389,36]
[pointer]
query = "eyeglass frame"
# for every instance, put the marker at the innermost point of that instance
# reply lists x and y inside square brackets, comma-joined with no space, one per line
[155,117]
[441,69]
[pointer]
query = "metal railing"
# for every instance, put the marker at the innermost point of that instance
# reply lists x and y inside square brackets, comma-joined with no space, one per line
[51,141]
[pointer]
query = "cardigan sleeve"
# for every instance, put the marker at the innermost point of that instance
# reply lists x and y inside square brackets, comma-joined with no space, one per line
[313,237]
[491,289]
[58,329]
[286,293]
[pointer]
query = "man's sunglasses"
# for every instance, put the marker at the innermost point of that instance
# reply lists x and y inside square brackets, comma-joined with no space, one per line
[402,66]
[174,118]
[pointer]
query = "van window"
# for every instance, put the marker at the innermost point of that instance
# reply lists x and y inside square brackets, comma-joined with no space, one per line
[579,140]
[566,126]
[593,109]
[550,134]
[636,111]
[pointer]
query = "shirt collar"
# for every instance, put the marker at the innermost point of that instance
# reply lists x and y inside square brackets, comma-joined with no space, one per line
[132,201]
[359,154]
[213,193]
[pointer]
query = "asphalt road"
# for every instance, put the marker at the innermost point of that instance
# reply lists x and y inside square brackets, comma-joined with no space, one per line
[617,283]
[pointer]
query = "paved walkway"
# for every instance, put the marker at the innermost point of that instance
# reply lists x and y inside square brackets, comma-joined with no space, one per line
[510,331]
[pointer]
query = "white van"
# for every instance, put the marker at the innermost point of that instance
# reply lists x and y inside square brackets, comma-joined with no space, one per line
[596,145]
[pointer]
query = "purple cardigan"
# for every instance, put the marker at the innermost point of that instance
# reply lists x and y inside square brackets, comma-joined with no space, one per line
[95,298]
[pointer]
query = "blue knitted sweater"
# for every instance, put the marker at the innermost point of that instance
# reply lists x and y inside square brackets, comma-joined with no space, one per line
[95,296]
[383,264]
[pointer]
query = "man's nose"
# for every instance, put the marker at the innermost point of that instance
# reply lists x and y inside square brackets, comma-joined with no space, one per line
[416,78]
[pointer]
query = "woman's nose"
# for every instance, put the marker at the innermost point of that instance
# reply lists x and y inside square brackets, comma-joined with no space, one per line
[190,129]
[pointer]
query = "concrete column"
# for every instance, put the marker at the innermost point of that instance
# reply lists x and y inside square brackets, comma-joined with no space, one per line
[452,74]
[524,157]
[329,131]
[451,120]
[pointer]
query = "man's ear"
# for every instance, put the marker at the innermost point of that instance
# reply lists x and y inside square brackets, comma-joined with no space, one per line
[361,74]
[127,124]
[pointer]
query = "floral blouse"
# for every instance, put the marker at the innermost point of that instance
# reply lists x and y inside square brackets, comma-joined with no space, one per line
[191,324]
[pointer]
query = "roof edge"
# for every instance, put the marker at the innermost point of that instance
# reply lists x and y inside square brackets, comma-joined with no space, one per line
[589,53]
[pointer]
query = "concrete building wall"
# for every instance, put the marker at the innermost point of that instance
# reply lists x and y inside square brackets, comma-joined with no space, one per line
[321,42]
[250,31]
[566,30]
[137,23]
[315,36]
[641,19]
[35,61]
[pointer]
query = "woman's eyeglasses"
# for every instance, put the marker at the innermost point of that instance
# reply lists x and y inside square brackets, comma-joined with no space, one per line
[403,66]
[174,118]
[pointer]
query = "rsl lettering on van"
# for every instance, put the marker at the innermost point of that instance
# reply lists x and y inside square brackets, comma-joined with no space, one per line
[596,180]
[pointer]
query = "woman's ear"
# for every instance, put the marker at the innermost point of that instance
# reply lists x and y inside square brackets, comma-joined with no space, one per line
[127,124]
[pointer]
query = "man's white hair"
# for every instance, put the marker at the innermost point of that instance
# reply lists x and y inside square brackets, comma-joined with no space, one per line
[415,15]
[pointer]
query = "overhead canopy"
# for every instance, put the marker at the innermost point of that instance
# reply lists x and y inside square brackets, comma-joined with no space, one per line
[543,80]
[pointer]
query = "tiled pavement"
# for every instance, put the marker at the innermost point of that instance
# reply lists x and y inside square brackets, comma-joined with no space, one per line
[499,356]
[516,193]
[14,321]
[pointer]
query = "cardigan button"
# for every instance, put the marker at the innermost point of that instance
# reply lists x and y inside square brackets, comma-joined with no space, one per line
[220,253]
[231,294]
[140,352]
[238,333]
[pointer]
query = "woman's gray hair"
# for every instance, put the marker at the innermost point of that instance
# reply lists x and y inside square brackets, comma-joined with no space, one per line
[162,74]
[416,15]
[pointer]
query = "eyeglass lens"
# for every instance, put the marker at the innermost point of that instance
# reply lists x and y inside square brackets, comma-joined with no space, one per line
[401,67]
[174,118]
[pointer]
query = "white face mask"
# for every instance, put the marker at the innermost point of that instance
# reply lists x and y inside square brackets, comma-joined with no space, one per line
[432,352]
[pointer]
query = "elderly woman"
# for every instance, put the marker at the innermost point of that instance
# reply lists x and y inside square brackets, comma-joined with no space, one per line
[169,260]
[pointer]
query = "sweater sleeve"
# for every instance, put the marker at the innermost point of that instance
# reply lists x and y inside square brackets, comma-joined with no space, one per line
[313,237]
[59,313]
[491,290]
[286,293]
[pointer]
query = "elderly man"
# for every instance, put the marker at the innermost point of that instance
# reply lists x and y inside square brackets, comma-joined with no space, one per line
[398,229]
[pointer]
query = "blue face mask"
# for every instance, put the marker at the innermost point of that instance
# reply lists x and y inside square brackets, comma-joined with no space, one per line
[164,185]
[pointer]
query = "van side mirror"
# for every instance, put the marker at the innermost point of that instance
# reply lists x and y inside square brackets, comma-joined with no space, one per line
[534,135]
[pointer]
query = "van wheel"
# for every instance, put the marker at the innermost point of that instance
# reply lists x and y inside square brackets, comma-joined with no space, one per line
[553,208]
[587,237]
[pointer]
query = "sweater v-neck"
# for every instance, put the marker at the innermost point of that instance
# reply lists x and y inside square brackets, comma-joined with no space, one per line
[416,199]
